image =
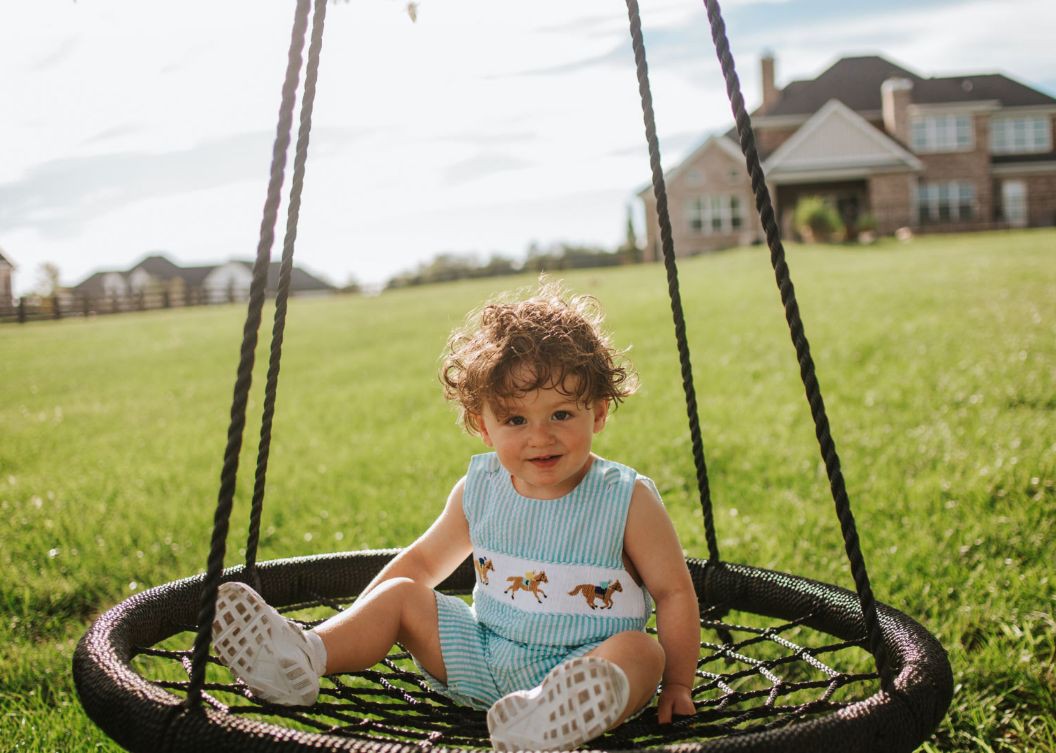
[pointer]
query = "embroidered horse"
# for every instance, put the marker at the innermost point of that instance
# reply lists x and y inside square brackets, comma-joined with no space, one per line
[482,566]
[528,582]
[603,591]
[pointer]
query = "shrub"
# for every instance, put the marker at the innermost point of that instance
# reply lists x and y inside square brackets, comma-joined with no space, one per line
[816,221]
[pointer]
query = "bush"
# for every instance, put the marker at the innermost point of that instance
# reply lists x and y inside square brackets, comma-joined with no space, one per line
[816,221]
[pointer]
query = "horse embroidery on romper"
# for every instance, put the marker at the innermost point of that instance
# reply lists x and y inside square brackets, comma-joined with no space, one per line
[603,591]
[528,582]
[482,567]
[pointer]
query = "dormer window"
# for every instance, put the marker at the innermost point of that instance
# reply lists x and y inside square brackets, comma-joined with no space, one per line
[941,133]
[1024,134]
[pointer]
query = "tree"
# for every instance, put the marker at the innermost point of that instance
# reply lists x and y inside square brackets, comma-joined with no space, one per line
[48,279]
[630,250]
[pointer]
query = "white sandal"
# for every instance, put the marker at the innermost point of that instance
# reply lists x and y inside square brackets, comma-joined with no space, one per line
[577,701]
[270,654]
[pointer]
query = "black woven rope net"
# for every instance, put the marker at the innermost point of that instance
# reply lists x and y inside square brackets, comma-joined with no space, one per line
[784,669]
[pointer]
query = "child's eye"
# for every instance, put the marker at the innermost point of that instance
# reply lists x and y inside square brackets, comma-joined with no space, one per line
[515,420]
[562,415]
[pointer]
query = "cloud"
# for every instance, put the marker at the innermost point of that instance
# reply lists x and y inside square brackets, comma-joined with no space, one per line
[480,165]
[51,59]
[58,198]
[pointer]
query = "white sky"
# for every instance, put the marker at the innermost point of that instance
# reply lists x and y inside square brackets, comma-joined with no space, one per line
[130,127]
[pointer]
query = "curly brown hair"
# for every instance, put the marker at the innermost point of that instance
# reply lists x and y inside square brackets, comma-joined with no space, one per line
[550,339]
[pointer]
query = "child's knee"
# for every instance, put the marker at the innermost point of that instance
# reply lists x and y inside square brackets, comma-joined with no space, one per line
[645,646]
[633,647]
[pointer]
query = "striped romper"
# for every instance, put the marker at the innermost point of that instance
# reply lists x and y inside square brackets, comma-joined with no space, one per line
[551,583]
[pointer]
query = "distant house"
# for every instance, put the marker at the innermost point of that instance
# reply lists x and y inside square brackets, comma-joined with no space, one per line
[159,280]
[7,270]
[884,146]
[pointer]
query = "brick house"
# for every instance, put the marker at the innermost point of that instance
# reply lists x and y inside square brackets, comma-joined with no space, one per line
[884,146]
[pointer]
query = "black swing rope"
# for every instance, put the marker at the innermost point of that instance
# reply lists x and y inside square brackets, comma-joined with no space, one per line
[776,687]
[788,300]
[243,382]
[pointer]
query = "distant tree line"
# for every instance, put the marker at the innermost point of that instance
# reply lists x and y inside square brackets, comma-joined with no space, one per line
[447,267]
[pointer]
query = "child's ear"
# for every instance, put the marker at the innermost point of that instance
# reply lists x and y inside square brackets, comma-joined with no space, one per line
[478,422]
[601,414]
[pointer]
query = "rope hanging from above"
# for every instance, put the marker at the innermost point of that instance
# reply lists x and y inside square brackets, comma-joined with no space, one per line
[755,699]
[243,382]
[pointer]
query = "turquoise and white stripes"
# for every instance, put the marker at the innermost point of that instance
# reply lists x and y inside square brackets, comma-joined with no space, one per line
[582,531]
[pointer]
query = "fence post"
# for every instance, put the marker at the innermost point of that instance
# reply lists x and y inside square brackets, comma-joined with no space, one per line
[56,312]
[22,310]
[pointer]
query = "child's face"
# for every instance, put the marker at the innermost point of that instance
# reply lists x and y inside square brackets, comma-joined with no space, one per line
[543,439]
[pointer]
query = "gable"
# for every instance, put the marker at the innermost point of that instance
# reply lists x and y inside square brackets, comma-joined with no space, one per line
[837,141]
[715,163]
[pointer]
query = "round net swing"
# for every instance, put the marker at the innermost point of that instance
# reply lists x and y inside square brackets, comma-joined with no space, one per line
[786,663]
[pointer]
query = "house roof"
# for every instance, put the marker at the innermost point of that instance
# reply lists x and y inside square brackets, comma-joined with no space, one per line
[4,260]
[837,143]
[299,278]
[856,82]
[161,268]
[93,284]
[158,266]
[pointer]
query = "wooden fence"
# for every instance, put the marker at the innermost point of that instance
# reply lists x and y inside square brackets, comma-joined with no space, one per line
[65,305]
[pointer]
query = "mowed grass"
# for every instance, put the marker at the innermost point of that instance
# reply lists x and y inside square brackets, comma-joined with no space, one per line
[937,360]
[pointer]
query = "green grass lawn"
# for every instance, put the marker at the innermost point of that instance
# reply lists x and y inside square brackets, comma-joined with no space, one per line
[937,359]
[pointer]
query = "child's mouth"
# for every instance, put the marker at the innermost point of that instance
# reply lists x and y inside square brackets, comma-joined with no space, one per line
[546,461]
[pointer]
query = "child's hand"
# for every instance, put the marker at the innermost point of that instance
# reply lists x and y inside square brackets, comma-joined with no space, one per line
[674,699]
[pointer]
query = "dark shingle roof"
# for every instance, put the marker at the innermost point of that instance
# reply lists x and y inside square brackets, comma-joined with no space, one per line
[93,284]
[973,88]
[856,82]
[158,266]
[299,279]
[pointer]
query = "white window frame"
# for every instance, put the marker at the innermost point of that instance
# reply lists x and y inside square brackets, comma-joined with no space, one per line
[1020,134]
[946,132]
[714,214]
[945,201]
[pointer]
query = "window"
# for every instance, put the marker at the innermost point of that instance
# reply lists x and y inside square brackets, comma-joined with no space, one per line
[941,133]
[1020,135]
[947,201]
[714,214]
[1014,202]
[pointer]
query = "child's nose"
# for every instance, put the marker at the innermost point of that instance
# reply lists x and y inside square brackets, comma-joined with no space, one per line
[541,433]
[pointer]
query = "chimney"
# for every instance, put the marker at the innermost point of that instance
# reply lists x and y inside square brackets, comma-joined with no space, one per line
[770,90]
[895,95]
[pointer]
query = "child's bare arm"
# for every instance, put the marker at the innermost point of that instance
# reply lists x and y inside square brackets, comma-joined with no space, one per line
[437,552]
[652,545]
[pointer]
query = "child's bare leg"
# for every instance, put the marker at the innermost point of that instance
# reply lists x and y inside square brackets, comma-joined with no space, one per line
[642,659]
[399,610]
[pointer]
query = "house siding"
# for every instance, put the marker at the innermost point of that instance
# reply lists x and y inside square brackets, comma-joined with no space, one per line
[891,201]
[971,166]
[1041,200]
[767,140]
[713,172]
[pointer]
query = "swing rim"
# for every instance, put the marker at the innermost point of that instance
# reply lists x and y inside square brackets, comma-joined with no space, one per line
[142,716]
